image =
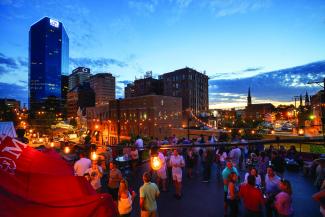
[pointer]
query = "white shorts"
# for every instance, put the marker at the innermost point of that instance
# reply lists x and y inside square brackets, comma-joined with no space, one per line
[177,177]
[162,174]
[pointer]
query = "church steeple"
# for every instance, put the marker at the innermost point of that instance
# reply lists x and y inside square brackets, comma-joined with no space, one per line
[249,98]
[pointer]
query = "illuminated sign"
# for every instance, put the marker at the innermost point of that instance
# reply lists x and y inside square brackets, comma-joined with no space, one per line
[54,23]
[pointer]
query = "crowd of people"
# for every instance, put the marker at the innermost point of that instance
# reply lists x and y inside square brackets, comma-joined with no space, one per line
[253,176]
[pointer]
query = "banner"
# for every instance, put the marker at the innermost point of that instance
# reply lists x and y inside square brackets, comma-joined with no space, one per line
[33,183]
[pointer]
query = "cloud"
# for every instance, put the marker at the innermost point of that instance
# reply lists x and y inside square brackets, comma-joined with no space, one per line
[222,8]
[96,64]
[276,86]
[245,73]
[10,64]
[252,69]
[125,82]
[182,3]
[8,90]
[12,3]
[143,7]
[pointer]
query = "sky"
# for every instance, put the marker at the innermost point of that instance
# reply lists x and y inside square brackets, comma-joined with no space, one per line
[226,39]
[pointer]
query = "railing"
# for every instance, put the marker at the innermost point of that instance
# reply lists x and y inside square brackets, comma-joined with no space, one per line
[302,142]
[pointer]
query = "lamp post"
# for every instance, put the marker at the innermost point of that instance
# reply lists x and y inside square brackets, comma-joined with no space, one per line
[118,121]
[188,125]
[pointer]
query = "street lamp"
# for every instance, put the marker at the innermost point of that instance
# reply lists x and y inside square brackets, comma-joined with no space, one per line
[301,132]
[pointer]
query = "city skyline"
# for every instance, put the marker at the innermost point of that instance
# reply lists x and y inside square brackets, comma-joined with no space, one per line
[123,39]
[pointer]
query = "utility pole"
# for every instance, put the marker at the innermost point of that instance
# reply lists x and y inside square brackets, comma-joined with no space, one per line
[322,104]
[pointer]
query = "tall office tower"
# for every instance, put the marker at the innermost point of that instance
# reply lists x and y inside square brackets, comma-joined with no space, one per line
[191,86]
[78,77]
[103,85]
[48,60]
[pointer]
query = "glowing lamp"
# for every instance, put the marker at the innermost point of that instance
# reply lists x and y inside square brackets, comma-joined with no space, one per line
[272,132]
[253,131]
[155,163]
[301,132]
[93,156]
[67,150]
[312,117]
[52,144]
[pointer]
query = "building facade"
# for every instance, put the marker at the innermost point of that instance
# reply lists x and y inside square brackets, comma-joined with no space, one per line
[78,77]
[150,115]
[317,103]
[257,111]
[191,86]
[129,90]
[103,85]
[81,96]
[48,60]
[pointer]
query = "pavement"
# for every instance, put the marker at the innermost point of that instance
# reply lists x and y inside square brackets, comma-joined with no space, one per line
[206,199]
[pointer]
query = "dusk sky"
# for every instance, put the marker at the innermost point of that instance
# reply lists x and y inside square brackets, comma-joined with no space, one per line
[228,39]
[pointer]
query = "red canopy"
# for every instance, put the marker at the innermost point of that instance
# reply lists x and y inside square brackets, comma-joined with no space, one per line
[33,183]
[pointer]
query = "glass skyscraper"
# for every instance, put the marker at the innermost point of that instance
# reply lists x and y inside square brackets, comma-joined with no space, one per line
[48,60]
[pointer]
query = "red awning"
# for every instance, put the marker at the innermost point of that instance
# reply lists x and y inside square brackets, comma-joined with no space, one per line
[34,183]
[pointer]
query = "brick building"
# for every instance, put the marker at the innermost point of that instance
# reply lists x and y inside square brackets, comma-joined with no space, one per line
[103,85]
[150,115]
[257,111]
[191,86]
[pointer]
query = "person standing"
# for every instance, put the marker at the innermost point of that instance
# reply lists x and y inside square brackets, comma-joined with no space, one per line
[283,200]
[207,161]
[81,165]
[252,197]
[115,176]
[149,192]
[252,171]
[177,163]
[95,172]
[235,154]
[262,164]
[225,176]
[320,197]
[134,155]
[190,162]
[125,199]
[278,163]
[139,144]
[162,173]
[271,189]
[232,194]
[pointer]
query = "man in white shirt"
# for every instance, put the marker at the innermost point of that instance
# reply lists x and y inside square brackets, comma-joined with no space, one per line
[139,143]
[235,154]
[177,163]
[81,165]
[95,172]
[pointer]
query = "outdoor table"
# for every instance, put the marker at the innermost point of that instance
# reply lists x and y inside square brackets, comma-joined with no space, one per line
[123,162]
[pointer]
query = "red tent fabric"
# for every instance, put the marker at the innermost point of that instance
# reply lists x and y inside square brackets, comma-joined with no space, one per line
[33,183]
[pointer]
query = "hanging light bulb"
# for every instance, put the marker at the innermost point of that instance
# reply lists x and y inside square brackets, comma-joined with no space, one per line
[155,163]
[94,155]
[67,150]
